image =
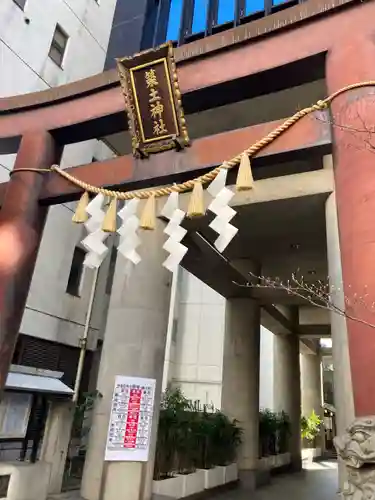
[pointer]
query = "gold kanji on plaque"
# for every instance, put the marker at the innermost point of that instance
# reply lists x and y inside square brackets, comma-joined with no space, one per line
[153,101]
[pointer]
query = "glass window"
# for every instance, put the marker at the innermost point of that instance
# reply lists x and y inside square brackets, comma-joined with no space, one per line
[58,45]
[225,11]
[174,21]
[76,271]
[20,3]
[278,2]
[254,6]
[199,16]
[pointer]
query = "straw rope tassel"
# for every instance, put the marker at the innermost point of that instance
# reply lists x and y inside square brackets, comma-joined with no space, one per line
[245,178]
[148,217]
[109,222]
[196,202]
[81,215]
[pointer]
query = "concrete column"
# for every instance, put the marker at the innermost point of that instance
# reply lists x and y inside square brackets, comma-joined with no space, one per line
[240,390]
[287,389]
[56,442]
[342,381]
[134,345]
[173,304]
[311,384]
[311,390]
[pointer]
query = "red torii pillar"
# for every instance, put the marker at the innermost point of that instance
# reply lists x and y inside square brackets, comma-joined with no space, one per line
[22,221]
[348,62]
[352,61]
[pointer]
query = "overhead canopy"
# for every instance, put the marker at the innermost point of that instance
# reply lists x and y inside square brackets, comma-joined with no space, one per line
[36,383]
[329,407]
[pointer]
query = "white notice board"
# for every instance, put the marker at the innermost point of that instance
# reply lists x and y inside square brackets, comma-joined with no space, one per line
[129,430]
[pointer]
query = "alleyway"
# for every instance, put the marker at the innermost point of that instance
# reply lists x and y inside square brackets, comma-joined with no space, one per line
[318,481]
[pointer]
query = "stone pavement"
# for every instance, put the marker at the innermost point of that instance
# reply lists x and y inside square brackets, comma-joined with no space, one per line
[317,482]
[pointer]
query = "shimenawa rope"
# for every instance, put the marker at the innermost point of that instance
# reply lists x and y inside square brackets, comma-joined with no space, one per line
[210,176]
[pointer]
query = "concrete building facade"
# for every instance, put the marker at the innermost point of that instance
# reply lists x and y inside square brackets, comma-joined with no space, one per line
[45,44]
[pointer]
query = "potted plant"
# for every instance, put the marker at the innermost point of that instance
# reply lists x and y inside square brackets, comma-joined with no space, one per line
[268,424]
[195,447]
[283,432]
[310,429]
[222,439]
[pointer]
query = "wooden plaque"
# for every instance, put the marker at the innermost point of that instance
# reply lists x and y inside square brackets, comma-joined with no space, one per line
[153,101]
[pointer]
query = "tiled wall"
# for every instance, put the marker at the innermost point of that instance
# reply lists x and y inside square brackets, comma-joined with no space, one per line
[199,339]
[196,354]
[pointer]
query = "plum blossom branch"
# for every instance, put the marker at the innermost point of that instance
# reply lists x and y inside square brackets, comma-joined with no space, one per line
[320,295]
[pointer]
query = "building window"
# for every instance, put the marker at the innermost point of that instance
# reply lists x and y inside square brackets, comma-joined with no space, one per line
[76,271]
[58,45]
[253,6]
[199,16]
[226,11]
[20,3]
[174,20]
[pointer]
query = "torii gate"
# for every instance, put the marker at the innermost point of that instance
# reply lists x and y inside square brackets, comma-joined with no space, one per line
[38,125]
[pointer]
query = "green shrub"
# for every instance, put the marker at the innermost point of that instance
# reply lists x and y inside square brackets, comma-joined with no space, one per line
[310,427]
[283,432]
[192,437]
[274,431]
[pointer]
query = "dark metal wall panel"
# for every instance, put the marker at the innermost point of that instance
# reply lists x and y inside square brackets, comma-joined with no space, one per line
[41,353]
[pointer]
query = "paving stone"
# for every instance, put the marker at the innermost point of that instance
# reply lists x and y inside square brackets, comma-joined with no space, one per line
[317,482]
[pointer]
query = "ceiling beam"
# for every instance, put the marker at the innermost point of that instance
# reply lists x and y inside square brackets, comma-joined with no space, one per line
[211,267]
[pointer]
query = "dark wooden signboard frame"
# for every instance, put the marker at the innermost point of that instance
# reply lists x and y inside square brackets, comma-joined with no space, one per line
[153,101]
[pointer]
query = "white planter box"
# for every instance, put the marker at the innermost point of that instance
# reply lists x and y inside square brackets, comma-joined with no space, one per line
[186,485]
[284,459]
[265,463]
[274,461]
[193,483]
[172,487]
[310,453]
[214,477]
[231,473]
[180,486]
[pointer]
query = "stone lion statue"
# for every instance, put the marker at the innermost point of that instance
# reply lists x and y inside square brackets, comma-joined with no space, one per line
[357,447]
[360,485]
